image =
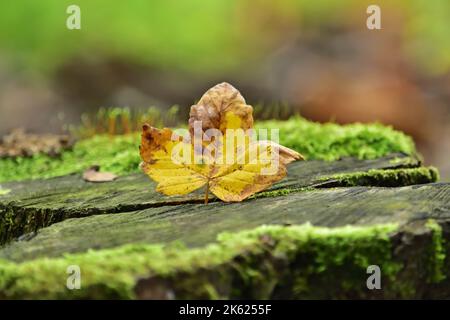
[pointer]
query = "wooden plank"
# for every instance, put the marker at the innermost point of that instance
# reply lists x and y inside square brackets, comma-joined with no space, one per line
[31,205]
[197,224]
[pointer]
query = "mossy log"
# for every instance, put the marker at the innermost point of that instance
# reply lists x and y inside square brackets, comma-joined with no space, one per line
[313,235]
[30,205]
[196,225]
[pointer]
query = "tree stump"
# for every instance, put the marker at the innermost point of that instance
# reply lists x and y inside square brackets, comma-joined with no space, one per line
[313,235]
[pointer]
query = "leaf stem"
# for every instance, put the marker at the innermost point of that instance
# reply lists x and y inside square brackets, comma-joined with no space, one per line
[207,192]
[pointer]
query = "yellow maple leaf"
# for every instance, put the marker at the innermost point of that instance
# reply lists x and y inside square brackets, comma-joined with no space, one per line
[231,171]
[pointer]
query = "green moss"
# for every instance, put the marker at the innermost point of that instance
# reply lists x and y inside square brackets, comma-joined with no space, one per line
[332,141]
[410,162]
[436,253]
[279,192]
[119,154]
[386,178]
[4,191]
[267,262]
[264,263]
[120,121]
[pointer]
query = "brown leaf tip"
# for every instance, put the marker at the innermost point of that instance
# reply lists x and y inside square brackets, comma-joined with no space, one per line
[224,86]
[213,107]
[224,91]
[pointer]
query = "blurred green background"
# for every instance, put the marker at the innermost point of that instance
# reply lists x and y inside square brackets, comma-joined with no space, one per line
[318,57]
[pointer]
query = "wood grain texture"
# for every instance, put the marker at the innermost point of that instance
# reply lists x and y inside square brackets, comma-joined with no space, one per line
[31,205]
[147,245]
[196,225]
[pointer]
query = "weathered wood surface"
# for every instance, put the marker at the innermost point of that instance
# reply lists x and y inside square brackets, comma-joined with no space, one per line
[31,205]
[198,224]
[390,226]
[137,190]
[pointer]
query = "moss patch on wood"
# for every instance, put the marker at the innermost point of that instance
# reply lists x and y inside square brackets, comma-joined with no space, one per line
[331,141]
[118,154]
[384,178]
[264,263]
[436,264]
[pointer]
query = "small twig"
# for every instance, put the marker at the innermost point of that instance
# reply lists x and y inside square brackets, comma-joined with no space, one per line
[206,192]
